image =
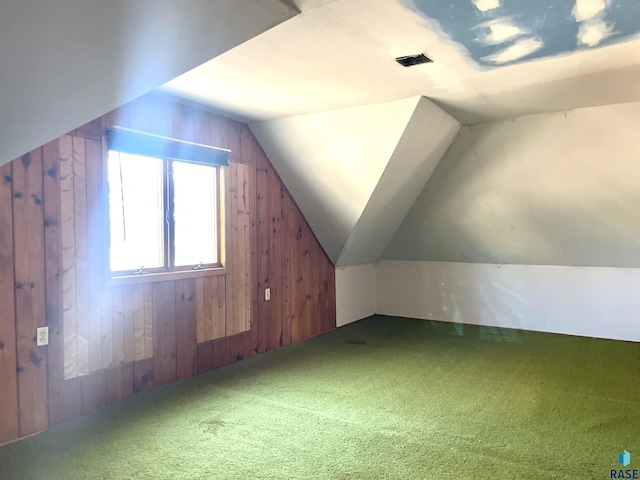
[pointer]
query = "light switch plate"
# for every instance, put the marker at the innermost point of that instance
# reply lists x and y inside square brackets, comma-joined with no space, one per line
[267,294]
[42,336]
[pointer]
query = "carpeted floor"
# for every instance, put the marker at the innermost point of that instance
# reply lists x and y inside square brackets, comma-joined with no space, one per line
[383,398]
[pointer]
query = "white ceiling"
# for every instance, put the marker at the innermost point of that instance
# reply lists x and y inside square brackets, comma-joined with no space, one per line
[66,62]
[340,53]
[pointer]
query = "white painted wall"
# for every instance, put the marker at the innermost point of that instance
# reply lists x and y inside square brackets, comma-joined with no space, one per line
[355,293]
[586,301]
[549,189]
[66,62]
[332,161]
[424,142]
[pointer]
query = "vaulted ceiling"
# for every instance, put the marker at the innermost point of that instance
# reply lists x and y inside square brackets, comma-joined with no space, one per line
[354,135]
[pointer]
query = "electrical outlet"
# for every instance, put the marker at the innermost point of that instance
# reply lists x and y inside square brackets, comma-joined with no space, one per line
[42,336]
[267,294]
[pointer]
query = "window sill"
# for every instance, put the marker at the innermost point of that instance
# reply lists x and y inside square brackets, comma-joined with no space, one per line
[164,276]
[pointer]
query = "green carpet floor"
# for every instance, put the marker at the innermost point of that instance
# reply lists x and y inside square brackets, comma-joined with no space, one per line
[383,398]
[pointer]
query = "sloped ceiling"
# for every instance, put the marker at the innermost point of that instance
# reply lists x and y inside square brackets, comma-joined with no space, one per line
[546,189]
[424,141]
[342,121]
[332,161]
[67,62]
[340,54]
[327,100]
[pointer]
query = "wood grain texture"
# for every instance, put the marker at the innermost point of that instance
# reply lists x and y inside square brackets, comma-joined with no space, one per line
[118,325]
[186,328]
[164,338]
[232,290]
[286,269]
[9,428]
[108,342]
[238,287]
[128,317]
[69,284]
[143,375]
[94,250]
[118,383]
[297,292]
[306,275]
[138,322]
[106,327]
[205,357]
[64,398]
[81,254]
[249,152]
[94,391]
[30,310]
[276,233]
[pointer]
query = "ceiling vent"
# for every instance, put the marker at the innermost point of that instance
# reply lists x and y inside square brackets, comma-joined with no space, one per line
[411,60]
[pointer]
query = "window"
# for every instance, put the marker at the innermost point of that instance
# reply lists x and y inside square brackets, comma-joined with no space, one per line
[164,204]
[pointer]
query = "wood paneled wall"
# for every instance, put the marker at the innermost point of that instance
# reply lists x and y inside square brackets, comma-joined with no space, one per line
[108,342]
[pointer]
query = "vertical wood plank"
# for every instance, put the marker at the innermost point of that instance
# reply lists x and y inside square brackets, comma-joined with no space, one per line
[200,318]
[81,252]
[331,281]
[164,333]
[139,115]
[28,237]
[307,306]
[205,357]
[219,351]
[160,116]
[262,249]
[287,274]
[218,306]
[275,261]
[186,330]
[143,375]
[297,292]
[64,397]
[119,383]
[244,254]
[138,319]
[106,327]
[9,428]
[118,323]
[67,238]
[128,316]
[232,300]
[210,325]
[249,154]
[94,391]
[95,247]
[234,132]
[91,130]
[316,290]
[218,131]
[148,321]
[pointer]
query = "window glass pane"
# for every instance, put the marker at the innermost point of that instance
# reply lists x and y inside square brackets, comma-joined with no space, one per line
[135,211]
[195,214]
